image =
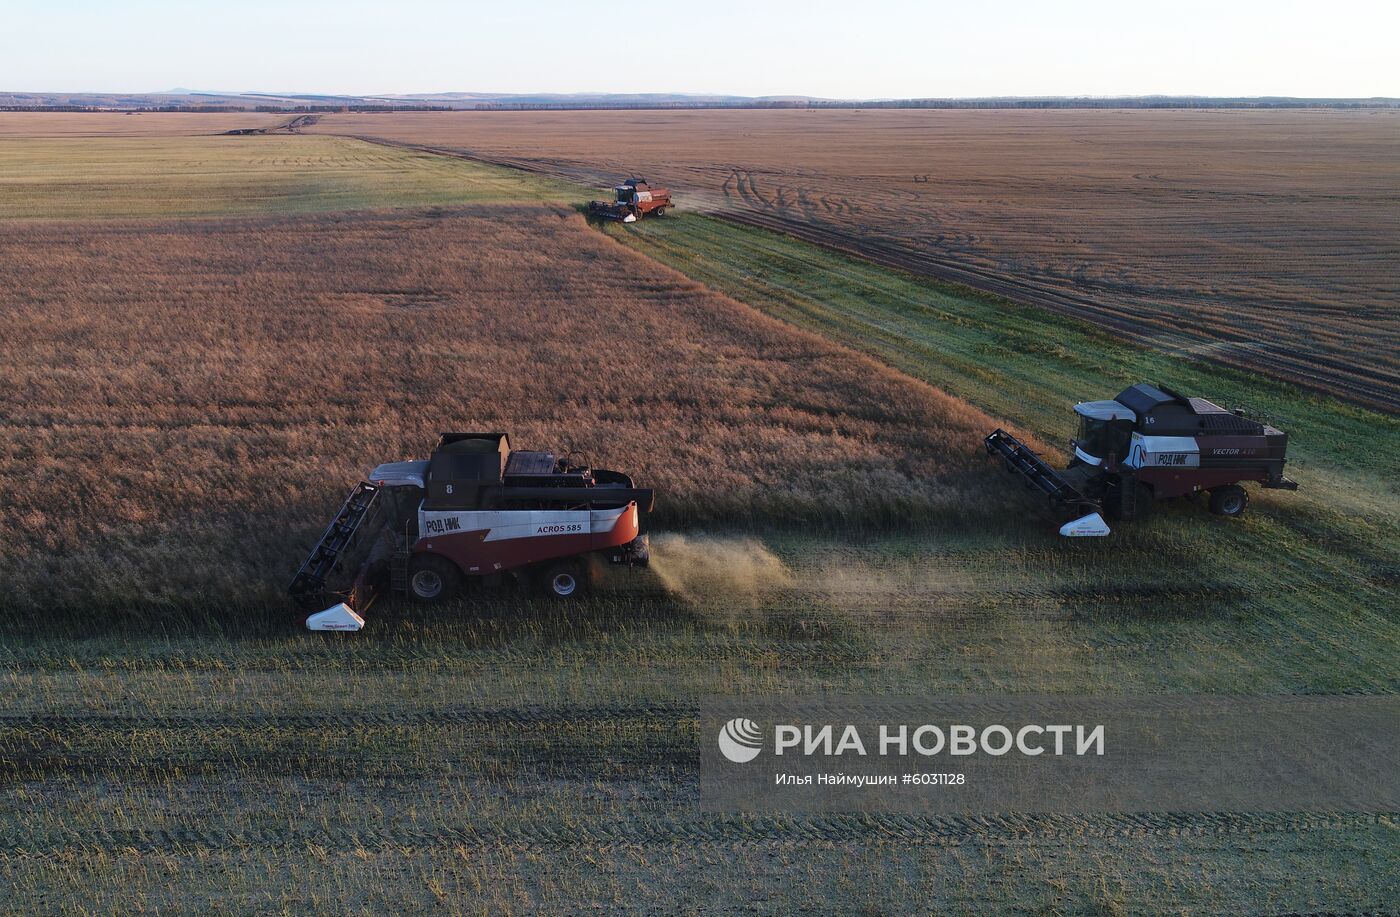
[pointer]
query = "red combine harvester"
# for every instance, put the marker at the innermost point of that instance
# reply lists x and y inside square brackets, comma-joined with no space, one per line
[1150,444]
[476,511]
[633,200]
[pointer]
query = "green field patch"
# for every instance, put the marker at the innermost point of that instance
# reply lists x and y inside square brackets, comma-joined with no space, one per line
[91,178]
[1018,362]
[1298,596]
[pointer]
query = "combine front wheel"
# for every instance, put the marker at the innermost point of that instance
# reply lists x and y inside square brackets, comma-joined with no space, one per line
[1229,500]
[433,579]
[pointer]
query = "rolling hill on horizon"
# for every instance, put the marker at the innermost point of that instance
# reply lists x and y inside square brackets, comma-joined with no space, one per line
[179,99]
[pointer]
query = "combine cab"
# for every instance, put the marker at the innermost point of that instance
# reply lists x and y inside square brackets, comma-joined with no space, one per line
[476,511]
[633,199]
[1150,444]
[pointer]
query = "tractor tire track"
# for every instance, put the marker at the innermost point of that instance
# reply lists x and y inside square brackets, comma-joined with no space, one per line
[411,744]
[692,833]
[1371,386]
[658,714]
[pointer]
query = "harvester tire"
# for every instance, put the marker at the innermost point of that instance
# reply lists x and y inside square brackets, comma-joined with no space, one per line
[433,579]
[1229,500]
[564,580]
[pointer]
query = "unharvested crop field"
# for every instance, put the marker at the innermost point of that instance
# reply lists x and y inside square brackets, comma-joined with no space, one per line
[215,387]
[1269,240]
[184,401]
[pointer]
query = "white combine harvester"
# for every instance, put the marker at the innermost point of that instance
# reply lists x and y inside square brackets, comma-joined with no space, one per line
[1150,444]
[476,512]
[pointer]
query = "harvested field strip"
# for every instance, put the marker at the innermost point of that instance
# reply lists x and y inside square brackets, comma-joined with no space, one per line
[1028,367]
[652,714]
[1371,385]
[696,833]
[1272,640]
[1264,239]
[1017,362]
[1228,874]
[604,752]
[1335,535]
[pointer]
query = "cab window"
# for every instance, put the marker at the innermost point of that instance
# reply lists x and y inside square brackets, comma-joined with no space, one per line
[1100,437]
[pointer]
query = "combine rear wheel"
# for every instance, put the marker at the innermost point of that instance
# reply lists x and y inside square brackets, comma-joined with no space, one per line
[433,579]
[564,580]
[1229,500]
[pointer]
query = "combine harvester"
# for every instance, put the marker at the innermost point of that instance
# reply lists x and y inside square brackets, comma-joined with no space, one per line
[633,199]
[476,511]
[1150,444]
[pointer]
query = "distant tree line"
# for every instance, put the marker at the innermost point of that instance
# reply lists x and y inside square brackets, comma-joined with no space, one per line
[945,104]
[1144,102]
[274,109]
[1005,103]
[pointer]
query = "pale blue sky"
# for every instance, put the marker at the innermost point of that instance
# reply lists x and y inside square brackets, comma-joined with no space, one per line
[868,49]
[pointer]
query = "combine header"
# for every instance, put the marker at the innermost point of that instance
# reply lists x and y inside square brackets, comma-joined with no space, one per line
[1150,444]
[633,199]
[476,511]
